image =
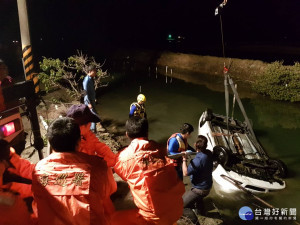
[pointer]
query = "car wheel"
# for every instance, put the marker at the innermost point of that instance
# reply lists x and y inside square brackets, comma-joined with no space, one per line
[221,155]
[281,168]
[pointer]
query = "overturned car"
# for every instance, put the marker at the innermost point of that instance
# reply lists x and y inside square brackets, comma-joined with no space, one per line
[239,157]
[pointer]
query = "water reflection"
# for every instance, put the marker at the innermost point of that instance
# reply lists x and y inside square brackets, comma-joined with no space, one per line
[277,114]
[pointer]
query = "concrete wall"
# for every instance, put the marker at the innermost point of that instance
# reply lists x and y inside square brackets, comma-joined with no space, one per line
[190,67]
[241,69]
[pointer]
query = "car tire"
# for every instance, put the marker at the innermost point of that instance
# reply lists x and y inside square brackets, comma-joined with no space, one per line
[282,170]
[221,155]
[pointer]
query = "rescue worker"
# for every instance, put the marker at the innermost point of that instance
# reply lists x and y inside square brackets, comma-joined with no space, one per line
[156,189]
[5,80]
[14,189]
[177,143]
[20,170]
[69,187]
[138,108]
[200,172]
[90,144]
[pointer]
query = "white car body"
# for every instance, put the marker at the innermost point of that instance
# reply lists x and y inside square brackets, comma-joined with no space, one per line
[219,136]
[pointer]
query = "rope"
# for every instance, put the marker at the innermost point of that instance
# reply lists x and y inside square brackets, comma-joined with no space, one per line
[225,69]
[222,36]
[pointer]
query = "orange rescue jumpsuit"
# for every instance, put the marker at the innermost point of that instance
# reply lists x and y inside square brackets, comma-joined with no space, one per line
[24,169]
[154,184]
[13,210]
[73,189]
[91,145]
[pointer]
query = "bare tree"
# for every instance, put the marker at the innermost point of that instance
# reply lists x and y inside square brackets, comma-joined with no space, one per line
[69,74]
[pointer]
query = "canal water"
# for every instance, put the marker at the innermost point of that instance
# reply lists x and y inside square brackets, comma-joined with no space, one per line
[171,102]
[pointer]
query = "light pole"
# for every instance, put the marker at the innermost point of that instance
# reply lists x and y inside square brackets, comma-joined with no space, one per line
[30,75]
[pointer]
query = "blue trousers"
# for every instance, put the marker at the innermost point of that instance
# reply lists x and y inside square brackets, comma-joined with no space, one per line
[93,109]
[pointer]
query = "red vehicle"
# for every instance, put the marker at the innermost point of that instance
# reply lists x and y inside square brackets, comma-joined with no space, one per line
[19,100]
[11,128]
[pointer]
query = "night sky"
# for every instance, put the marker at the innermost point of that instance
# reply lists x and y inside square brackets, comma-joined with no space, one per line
[59,27]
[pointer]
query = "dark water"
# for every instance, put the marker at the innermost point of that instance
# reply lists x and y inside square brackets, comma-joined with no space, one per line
[276,124]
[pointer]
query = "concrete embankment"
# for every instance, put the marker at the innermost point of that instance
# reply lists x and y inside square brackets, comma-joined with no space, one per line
[241,69]
[190,67]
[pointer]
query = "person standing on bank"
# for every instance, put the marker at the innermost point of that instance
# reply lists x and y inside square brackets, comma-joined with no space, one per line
[138,108]
[177,143]
[200,172]
[90,93]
